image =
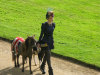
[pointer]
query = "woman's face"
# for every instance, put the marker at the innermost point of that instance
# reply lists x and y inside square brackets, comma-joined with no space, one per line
[50,19]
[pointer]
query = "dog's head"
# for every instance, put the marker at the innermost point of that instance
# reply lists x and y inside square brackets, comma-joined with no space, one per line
[36,50]
[30,41]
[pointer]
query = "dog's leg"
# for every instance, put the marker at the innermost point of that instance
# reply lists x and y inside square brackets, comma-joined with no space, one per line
[40,57]
[34,59]
[40,62]
[18,60]
[30,65]
[15,61]
[23,64]
[25,61]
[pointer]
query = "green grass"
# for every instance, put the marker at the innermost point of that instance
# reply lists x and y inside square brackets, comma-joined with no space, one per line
[77,32]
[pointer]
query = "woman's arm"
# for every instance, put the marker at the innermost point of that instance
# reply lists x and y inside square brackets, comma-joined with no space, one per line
[54,28]
[42,32]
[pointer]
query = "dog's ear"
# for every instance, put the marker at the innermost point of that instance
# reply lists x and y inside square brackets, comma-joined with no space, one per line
[33,36]
[27,36]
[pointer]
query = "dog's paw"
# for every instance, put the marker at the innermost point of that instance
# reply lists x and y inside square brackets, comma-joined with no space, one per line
[31,72]
[22,70]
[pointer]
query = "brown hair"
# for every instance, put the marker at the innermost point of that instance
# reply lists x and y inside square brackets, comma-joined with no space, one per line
[49,13]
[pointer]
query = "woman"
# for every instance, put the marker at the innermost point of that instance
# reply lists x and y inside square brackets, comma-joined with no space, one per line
[46,42]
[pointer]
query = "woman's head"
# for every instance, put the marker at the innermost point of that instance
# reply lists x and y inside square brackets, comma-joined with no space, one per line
[50,15]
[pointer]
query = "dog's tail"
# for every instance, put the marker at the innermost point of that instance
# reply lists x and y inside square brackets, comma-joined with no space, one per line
[13,53]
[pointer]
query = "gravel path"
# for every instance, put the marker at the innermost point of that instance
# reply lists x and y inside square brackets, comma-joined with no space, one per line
[60,67]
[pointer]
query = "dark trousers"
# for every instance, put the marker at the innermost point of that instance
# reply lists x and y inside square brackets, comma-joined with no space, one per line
[46,55]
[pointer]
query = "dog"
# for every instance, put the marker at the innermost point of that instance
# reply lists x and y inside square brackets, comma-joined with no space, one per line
[22,47]
[36,51]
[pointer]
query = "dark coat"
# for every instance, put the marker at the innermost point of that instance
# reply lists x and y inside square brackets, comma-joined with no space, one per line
[46,35]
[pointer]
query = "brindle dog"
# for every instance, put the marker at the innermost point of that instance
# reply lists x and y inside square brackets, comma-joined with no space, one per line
[36,51]
[24,49]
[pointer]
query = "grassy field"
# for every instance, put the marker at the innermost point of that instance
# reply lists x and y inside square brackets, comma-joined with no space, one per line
[77,32]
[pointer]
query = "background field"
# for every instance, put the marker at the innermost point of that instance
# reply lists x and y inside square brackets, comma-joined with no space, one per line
[77,32]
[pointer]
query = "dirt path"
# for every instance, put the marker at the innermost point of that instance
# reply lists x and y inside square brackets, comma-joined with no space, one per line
[61,67]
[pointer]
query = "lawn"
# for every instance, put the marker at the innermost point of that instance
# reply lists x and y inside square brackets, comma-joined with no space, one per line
[77,32]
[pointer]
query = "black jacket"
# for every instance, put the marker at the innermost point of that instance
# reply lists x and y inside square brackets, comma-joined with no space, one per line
[46,35]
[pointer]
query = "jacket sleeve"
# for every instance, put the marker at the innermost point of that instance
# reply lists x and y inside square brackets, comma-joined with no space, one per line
[54,25]
[42,32]
[54,28]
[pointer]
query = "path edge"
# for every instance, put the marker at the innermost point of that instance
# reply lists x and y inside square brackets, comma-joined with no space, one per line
[66,58]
